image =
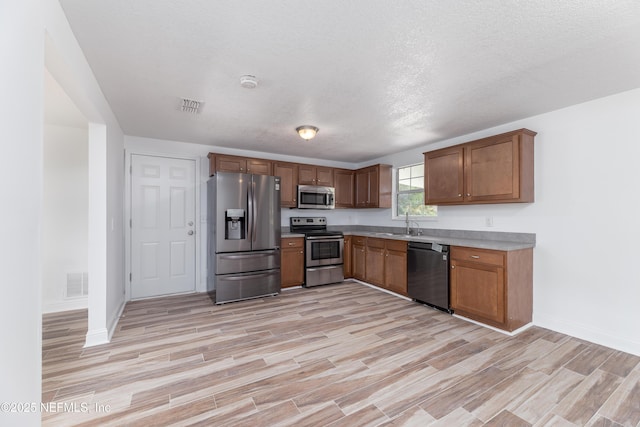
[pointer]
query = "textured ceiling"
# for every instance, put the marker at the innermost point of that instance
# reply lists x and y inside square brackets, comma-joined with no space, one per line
[375,76]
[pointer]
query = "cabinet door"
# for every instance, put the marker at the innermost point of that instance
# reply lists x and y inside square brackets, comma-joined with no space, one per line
[478,291]
[347,257]
[374,263]
[492,170]
[358,261]
[362,189]
[373,187]
[374,190]
[395,268]
[212,163]
[395,271]
[306,175]
[343,180]
[288,173]
[444,176]
[231,164]
[383,186]
[259,166]
[324,176]
[292,262]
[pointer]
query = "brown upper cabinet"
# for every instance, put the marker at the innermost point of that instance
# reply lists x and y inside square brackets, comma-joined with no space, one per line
[288,173]
[344,179]
[373,187]
[224,163]
[368,187]
[315,175]
[497,169]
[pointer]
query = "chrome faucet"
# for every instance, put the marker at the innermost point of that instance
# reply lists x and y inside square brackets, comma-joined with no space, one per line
[408,229]
[408,225]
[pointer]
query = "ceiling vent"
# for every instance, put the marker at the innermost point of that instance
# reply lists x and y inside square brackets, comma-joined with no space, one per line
[191,106]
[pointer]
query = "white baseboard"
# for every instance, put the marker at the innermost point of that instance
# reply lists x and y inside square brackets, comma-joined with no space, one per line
[113,322]
[587,333]
[66,305]
[103,335]
[97,337]
[511,334]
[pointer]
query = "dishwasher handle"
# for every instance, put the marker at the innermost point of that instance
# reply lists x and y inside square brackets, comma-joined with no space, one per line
[428,246]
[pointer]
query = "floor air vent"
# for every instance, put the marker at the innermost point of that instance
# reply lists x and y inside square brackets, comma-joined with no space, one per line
[77,285]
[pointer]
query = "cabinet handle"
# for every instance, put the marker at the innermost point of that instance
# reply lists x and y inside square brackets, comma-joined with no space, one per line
[453,266]
[475,256]
[468,194]
[300,251]
[291,243]
[460,195]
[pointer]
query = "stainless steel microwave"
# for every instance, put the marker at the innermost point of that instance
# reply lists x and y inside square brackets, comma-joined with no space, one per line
[316,197]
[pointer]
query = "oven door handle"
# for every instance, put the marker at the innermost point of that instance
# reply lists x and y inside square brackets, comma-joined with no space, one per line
[324,238]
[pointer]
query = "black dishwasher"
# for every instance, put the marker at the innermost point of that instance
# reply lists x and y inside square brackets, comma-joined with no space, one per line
[428,274]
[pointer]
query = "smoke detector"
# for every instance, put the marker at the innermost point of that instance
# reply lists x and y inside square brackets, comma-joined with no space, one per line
[248,82]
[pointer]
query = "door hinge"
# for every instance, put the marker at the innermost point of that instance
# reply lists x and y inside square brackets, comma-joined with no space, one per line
[129,276]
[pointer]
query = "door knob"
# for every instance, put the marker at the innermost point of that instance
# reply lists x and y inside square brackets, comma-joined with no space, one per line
[190,232]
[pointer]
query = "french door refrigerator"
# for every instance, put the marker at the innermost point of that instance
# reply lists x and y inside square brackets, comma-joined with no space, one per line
[244,236]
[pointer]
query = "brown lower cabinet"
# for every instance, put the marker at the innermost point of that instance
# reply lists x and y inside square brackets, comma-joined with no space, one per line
[492,287]
[358,249]
[395,266]
[380,262]
[374,261]
[346,256]
[291,262]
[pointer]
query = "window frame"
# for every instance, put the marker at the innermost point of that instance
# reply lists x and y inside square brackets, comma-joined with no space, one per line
[396,192]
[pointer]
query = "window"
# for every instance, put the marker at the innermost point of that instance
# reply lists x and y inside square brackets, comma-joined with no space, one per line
[410,192]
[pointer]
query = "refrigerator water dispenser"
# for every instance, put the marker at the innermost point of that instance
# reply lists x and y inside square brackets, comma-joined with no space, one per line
[235,224]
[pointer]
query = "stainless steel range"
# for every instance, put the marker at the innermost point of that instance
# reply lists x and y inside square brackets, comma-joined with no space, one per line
[323,250]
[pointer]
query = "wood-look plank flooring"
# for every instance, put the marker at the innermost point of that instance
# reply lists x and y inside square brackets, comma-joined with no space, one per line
[337,355]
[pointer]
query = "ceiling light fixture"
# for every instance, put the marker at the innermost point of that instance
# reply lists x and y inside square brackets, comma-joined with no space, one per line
[248,81]
[307,132]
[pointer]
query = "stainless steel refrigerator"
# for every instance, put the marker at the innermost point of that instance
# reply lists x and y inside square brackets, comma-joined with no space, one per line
[244,236]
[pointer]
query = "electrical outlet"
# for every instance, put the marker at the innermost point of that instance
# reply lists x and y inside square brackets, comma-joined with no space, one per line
[488,221]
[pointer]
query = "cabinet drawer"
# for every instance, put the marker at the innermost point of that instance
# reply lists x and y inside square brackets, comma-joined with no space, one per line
[358,240]
[292,242]
[484,256]
[373,242]
[396,245]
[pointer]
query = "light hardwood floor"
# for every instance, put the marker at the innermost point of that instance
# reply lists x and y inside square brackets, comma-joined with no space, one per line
[337,355]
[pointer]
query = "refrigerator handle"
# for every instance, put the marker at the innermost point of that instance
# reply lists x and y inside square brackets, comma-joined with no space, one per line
[255,210]
[250,203]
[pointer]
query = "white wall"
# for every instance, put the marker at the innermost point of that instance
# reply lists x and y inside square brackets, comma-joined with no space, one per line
[67,64]
[21,124]
[65,213]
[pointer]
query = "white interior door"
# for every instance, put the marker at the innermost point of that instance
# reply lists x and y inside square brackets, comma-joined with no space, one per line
[163,228]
